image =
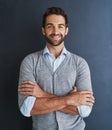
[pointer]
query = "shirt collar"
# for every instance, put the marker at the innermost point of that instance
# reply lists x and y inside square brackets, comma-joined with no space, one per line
[46,51]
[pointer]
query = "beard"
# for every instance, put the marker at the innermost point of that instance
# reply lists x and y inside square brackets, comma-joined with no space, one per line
[52,42]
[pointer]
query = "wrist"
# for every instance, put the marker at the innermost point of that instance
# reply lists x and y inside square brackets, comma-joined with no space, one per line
[67,100]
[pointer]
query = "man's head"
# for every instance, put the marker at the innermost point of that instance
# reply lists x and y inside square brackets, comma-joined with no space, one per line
[55,25]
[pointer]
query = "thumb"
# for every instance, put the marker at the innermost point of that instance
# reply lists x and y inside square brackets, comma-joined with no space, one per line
[75,89]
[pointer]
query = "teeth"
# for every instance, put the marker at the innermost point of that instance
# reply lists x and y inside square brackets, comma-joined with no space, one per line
[55,37]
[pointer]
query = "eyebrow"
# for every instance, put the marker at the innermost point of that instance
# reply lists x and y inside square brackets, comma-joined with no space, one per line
[49,24]
[58,24]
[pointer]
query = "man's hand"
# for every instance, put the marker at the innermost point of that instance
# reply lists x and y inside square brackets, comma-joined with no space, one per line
[76,98]
[32,89]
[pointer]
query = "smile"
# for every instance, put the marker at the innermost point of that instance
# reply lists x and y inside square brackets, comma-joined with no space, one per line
[55,37]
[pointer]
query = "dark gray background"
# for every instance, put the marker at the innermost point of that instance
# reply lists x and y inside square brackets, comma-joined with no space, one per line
[90,36]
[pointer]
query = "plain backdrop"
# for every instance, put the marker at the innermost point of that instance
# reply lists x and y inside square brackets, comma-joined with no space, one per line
[90,36]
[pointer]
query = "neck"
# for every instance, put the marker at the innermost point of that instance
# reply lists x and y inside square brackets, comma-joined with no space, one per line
[55,50]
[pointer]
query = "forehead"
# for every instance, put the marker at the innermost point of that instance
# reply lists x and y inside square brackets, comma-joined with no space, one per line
[55,19]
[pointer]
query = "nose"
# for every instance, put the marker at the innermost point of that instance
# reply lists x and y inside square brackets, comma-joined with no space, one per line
[55,30]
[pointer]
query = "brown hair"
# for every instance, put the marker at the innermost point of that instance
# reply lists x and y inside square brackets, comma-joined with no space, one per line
[54,10]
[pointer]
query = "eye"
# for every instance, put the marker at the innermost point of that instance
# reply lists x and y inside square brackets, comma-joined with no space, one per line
[61,26]
[49,26]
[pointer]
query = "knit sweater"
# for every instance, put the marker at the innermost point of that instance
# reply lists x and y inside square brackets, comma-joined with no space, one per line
[73,71]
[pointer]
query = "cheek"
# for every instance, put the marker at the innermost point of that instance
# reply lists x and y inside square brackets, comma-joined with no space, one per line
[63,32]
[48,33]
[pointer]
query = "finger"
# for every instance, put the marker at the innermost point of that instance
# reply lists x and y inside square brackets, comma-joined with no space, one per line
[26,86]
[90,96]
[89,104]
[28,82]
[25,90]
[90,100]
[27,93]
[75,89]
[87,92]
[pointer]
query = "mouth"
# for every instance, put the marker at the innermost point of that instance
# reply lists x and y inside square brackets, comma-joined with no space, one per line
[55,37]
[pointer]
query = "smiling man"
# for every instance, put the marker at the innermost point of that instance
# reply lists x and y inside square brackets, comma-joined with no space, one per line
[55,84]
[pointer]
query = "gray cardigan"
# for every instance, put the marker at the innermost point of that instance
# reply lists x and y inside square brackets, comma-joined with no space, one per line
[73,71]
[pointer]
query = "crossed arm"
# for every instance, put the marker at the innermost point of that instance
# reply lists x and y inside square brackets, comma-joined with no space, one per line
[46,102]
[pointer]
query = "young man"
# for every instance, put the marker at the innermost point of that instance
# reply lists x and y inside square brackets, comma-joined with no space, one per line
[54,84]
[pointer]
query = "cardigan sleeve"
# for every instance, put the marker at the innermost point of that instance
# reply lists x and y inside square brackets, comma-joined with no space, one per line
[26,73]
[83,82]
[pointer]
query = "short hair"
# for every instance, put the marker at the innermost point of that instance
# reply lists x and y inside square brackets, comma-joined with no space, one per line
[54,10]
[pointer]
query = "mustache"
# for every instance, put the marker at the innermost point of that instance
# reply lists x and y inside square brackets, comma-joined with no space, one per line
[55,34]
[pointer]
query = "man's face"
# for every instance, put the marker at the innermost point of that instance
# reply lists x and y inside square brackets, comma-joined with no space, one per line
[55,29]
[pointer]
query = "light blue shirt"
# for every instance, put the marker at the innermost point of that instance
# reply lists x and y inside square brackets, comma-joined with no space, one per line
[27,106]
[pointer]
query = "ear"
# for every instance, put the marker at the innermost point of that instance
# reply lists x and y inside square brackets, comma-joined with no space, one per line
[43,31]
[66,31]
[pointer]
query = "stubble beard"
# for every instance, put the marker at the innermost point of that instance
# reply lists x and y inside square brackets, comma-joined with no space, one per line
[57,43]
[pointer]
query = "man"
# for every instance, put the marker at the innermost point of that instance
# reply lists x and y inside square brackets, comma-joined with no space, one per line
[54,84]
